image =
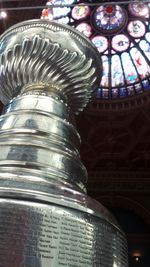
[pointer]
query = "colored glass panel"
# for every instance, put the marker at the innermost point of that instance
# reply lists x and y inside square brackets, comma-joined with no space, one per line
[131,90]
[117,78]
[147,36]
[119,33]
[120,42]
[99,93]
[140,63]
[138,88]
[129,69]
[136,28]
[145,46]
[146,85]
[63,20]
[85,28]
[109,18]
[139,9]
[115,93]
[122,92]
[59,11]
[100,42]
[104,81]
[80,12]
[105,93]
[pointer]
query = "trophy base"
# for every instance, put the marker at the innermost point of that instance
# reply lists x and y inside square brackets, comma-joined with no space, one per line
[34,234]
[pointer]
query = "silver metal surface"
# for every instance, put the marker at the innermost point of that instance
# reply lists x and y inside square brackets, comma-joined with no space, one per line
[39,52]
[46,219]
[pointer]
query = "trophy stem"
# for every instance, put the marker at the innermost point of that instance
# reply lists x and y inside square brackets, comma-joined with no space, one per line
[38,140]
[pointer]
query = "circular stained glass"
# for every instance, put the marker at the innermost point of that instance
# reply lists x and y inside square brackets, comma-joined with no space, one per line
[120,42]
[85,28]
[100,42]
[80,12]
[136,28]
[109,19]
[139,9]
[121,34]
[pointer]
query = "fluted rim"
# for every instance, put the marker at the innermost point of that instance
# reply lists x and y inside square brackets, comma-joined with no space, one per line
[81,66]
[45,22]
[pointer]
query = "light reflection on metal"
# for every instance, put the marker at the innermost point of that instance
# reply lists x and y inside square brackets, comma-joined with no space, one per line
[46,219]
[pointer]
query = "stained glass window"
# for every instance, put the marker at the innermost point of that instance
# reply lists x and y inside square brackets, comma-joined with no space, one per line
[120,32]
[109,18]
[100,42]
[80,12]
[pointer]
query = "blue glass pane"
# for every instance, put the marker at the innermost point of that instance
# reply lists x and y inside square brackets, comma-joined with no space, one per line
[146,85]
[122,92]
[115,93]
[99,93]
[105,93]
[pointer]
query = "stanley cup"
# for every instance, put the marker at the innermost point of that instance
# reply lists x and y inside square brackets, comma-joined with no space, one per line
[47,74]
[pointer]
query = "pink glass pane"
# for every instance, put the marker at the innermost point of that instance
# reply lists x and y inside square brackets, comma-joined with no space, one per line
[100,42]
[136,28]
[85,28]
[80,12]
[120,42]
[139,9]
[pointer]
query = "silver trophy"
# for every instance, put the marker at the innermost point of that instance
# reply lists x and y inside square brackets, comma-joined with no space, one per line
[47,74]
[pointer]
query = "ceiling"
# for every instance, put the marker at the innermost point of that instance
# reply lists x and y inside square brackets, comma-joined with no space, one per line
[19,10]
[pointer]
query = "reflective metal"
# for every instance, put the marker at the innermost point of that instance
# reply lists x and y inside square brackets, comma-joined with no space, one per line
[46,218]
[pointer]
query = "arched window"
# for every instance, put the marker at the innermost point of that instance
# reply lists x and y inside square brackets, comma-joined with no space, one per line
[121,34]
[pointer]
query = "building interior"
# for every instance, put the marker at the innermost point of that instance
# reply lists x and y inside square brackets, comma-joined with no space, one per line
[115,126]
